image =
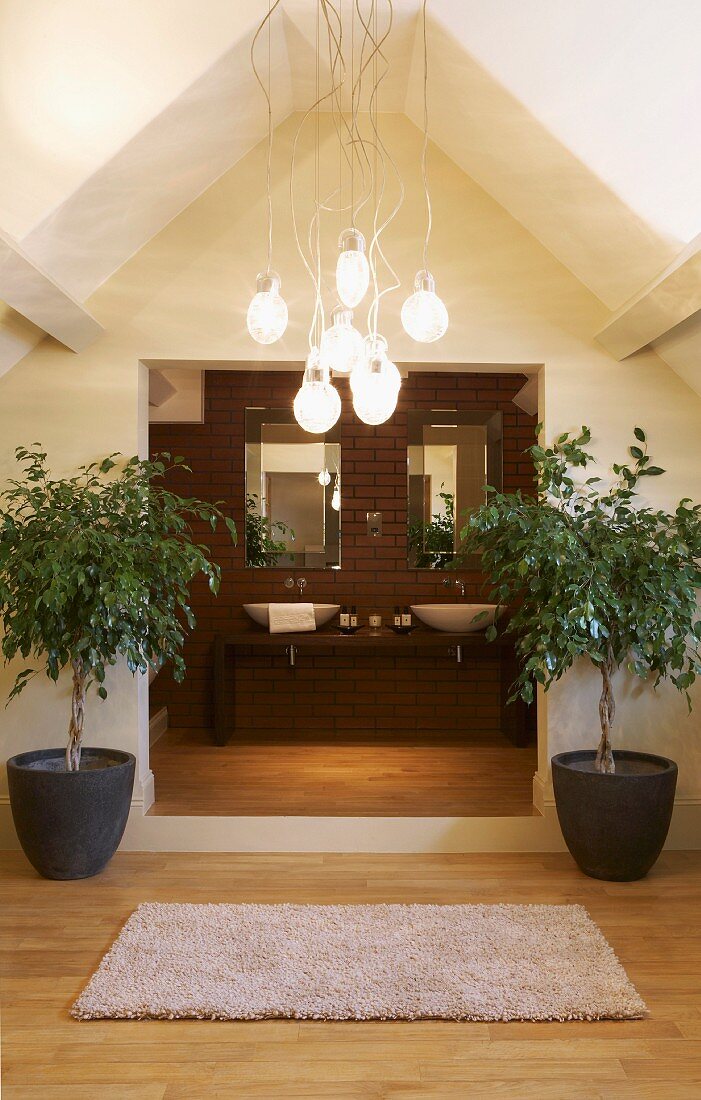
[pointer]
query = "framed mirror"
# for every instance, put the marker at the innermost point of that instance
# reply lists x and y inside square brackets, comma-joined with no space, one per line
[293,493]
[451,457]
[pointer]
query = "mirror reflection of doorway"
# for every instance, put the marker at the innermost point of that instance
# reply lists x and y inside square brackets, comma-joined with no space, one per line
[452,455]
[293,498]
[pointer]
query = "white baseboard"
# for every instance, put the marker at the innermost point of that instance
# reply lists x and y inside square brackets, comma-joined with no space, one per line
[157,725]
[148,795]
[537,833]
[542,794]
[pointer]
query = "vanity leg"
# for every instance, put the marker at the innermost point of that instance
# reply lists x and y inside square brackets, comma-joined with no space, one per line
[513,715]
[221,736]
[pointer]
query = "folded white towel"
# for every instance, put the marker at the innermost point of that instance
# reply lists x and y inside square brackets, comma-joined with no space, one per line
[291,618]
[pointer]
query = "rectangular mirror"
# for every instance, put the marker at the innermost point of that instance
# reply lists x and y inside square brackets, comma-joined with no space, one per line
[452,456]
[293,493]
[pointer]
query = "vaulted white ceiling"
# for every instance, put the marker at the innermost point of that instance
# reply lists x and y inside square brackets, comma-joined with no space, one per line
[580,118]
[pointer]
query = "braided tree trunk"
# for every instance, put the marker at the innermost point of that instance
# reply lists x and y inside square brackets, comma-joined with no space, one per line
[607,711]
[75,730]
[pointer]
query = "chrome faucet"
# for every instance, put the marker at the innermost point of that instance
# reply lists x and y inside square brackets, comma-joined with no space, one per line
[459,583]
[301,583]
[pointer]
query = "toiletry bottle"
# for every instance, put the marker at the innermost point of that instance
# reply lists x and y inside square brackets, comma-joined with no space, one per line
[397,616]
[406,617]
[344,619]
[354,615]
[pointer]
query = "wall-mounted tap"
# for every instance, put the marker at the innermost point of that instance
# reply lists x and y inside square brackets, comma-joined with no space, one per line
[447,583]
[301,583]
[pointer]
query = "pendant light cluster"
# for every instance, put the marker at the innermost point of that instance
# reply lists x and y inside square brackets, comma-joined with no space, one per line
[337,348]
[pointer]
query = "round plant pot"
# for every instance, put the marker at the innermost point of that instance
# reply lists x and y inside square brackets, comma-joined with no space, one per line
[70,823]
[614,825]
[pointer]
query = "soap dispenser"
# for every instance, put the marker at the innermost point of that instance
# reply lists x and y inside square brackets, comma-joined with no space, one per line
[406,617]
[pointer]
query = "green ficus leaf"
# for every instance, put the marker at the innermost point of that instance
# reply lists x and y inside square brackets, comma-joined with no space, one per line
[591,572]
[96,567]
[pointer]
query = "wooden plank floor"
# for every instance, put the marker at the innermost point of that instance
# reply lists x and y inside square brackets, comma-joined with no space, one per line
[429,777]
[54,934]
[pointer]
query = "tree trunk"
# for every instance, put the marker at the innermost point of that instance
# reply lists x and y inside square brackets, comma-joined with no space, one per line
[607,710]
[75,730]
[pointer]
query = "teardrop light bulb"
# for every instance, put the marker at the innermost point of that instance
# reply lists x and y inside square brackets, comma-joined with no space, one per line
[317,405]
[424,315]
[342,348]
[267,313]
[352,268]
[336,496]
[324,477]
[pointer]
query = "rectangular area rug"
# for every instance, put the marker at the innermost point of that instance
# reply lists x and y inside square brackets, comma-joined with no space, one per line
[360,962]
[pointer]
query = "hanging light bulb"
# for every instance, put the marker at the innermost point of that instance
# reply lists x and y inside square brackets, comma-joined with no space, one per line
[342,347]
[324,477]
[424,315]
[336,495]
[267,313]
[352,268]
[317,405]
[376,384]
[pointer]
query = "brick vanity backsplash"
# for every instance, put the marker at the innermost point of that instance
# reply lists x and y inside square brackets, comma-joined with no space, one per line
[331,695]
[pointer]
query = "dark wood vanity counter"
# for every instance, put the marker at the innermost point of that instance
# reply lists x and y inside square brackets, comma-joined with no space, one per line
[292,647]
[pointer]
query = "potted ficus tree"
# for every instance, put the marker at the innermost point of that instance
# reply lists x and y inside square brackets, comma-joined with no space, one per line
[592,572]
[93,568]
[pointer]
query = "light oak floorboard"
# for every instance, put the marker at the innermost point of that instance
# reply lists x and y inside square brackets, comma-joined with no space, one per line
[381,776]
[53,935]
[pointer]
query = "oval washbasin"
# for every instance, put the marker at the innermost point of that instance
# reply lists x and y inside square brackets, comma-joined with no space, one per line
[458,618]
[323,612]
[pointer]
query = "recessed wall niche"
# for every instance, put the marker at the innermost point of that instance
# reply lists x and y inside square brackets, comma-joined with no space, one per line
[369,696]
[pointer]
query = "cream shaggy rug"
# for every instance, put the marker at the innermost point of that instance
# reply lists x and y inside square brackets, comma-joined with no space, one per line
[360,962]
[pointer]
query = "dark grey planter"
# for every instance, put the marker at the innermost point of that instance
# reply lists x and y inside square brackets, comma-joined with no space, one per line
[614,825]
[70,823]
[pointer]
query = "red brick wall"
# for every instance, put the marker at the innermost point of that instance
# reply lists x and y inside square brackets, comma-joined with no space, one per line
[331,695]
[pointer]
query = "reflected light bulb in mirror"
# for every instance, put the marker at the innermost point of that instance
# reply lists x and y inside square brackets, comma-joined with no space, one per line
[352,268]
[317,405]
[324,477]
[342,347]
[267,314]
[424,315]
[336,497]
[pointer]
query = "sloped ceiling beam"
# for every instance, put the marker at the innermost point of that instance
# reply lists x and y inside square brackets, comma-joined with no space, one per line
[26,288]
[670,299]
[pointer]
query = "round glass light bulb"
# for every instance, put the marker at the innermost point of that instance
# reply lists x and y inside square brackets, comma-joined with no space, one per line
[424,315]
[374,407]
[317,405]
[352,268]
[342,348]
[267,314]
[324,477]
[385,373]
[375,387]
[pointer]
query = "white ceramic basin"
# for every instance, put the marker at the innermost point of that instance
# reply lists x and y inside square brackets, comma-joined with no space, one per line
[323,612]
[459,618]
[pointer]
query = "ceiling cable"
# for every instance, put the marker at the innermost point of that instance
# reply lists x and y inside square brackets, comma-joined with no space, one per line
[265,88]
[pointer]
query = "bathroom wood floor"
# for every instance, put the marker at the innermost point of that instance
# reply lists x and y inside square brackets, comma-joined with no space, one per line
[54,934]
[418,778]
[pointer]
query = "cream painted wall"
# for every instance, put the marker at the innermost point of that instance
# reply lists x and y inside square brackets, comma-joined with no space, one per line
[184,296]
[78,81]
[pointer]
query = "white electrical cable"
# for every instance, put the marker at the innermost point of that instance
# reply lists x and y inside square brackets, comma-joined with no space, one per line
[266,93]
